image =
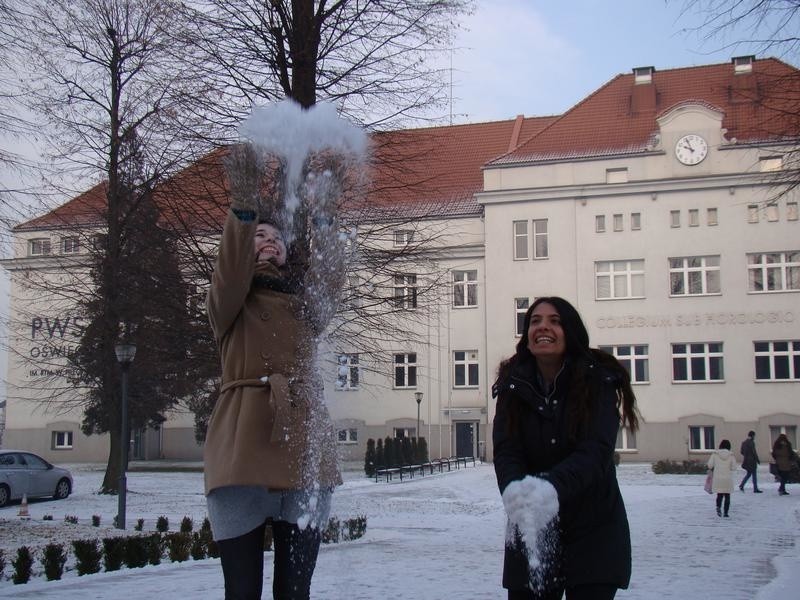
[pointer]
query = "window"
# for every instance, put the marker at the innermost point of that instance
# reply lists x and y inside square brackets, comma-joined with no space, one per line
[790,431]
[619,279]
[694,217]
[405,290]
[636,221]
[520,308]
[674,218]
[405,370]
[600,223]
[39,247]
[774,271]
[520,240]
[347,436]
[626,439]
[752,213]
[403,237]
[694,276]
[777,361]
[347,372]
[701,438]
[465,368]
[465,288]
[405,432]
[70,245]
[62,440]
[635,359]
[772,212]
[791,211]
[617,175]
[770,163]
[617,222]
[711,216]
[697,362]
[540,249]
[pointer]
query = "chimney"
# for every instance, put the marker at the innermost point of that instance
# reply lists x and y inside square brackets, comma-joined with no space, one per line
[643,94]
[743,87]
[643,75]
[743,64]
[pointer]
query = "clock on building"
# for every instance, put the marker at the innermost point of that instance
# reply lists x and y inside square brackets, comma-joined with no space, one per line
[691,149]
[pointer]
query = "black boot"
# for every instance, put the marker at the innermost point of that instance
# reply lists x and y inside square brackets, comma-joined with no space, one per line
[295,558]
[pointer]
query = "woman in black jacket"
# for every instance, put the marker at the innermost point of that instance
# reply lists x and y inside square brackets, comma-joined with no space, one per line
[559,407]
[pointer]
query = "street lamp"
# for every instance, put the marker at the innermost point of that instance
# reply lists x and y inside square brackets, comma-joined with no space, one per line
[125,353]
[418,396]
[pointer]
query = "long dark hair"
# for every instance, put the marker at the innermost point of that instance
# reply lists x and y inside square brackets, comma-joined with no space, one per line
[584,364]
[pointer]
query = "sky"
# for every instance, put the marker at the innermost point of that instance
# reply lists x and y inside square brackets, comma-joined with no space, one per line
[438,536]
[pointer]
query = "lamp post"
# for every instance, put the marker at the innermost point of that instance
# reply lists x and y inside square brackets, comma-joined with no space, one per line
[125,353]
[418,396]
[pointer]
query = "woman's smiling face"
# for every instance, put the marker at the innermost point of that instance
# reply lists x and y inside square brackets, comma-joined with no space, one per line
[269,245]
[545,334]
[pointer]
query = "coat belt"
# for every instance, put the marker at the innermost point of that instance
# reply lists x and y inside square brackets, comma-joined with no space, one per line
[278,386]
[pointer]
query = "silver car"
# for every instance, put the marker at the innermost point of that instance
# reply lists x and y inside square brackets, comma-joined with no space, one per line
[26,473]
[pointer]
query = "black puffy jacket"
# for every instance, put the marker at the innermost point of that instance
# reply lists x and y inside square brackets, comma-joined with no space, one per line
[594,534]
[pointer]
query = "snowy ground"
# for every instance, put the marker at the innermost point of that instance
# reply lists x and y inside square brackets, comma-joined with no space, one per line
[440,537]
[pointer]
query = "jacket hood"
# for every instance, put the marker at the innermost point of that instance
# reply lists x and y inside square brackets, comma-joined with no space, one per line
[724,453]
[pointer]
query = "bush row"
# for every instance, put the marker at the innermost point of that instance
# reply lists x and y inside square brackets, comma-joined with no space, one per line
[112,553]
[394,452]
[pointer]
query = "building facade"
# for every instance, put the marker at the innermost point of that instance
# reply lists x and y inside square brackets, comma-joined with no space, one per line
[653,205]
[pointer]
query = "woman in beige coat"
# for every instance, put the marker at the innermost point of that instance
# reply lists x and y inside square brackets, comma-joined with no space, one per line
[723,464]
[270,448]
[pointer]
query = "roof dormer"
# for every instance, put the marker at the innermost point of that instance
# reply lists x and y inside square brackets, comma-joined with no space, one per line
[743,64]
[643,75]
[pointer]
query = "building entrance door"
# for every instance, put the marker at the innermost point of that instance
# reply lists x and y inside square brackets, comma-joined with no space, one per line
[466,434]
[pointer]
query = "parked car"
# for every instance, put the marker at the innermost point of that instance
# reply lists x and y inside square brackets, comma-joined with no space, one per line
[26,473]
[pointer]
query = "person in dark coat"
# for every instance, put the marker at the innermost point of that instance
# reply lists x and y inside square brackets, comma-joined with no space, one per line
[784,458]
[750,461]
[559,407]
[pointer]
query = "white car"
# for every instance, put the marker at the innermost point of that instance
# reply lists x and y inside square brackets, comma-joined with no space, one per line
[26,473]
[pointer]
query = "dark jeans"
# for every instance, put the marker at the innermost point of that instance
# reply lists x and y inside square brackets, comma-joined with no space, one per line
[750,474]
[726,498]
[784,479]
[295,558]
[581,592]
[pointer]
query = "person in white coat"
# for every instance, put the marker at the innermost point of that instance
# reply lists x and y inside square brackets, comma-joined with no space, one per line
[723,464]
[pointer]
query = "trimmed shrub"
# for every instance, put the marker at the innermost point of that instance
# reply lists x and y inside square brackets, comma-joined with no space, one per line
[96,520]
[155,548]
[369,458]
[212,550]
[178,545]
[380,456]
[87,556]
[2,564]
[186,525]
[354,528]
[198,548]
[398,452]
[332,532]
[162,524]
[422,451]
[47,517]
[135,553]
[22,564]
[72,519]
[139,525]
[53,559]
[113,553]
[690,467]
[405,451]
[388,453]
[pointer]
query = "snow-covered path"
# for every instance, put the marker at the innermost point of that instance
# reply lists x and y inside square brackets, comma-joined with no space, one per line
[441,537]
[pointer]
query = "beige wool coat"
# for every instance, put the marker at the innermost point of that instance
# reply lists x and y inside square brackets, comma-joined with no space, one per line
[724,464]
[270,426]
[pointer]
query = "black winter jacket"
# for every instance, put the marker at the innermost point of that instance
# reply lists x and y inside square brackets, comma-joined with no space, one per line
[594,534]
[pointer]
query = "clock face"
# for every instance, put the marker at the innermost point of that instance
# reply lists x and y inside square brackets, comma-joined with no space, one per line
[691,149]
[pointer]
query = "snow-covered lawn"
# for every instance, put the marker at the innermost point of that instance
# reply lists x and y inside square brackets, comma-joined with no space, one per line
[439,537]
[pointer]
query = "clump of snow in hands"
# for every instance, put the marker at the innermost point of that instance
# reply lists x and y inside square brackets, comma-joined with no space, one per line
[531,504]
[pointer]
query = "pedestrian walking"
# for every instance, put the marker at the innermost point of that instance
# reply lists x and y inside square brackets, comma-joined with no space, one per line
[784,461]
[750,461]
[722,464]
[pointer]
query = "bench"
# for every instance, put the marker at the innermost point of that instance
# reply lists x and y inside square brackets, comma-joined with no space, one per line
[408,471]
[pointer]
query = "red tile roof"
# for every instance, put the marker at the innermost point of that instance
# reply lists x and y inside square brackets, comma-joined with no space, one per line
[620,117]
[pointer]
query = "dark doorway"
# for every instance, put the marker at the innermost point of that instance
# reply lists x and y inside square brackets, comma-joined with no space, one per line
[466,433]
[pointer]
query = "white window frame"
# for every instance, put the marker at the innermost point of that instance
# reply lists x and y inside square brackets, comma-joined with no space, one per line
[350,436]
[39,247]
[519,314]
[619,175]
[541,246]
[688,269]
[636,221]
[674,218]
[769,164]
[408,367]
[617,222]
[62,440]
[405,290]
[466,362]
[773,213]
[465,288]
[790,354]
[706,445]
[752,213]
[612,270]
[635,358]
[404,432]
[70,244]
[348,375]
[694,217]
[790,431]
[769,266]
[698,356]
[791,211]
[520,240]
[600,223]
[403,237]
[626,440]
[712,217]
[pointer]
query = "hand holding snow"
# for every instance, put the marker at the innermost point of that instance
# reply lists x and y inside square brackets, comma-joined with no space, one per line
[531,504]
